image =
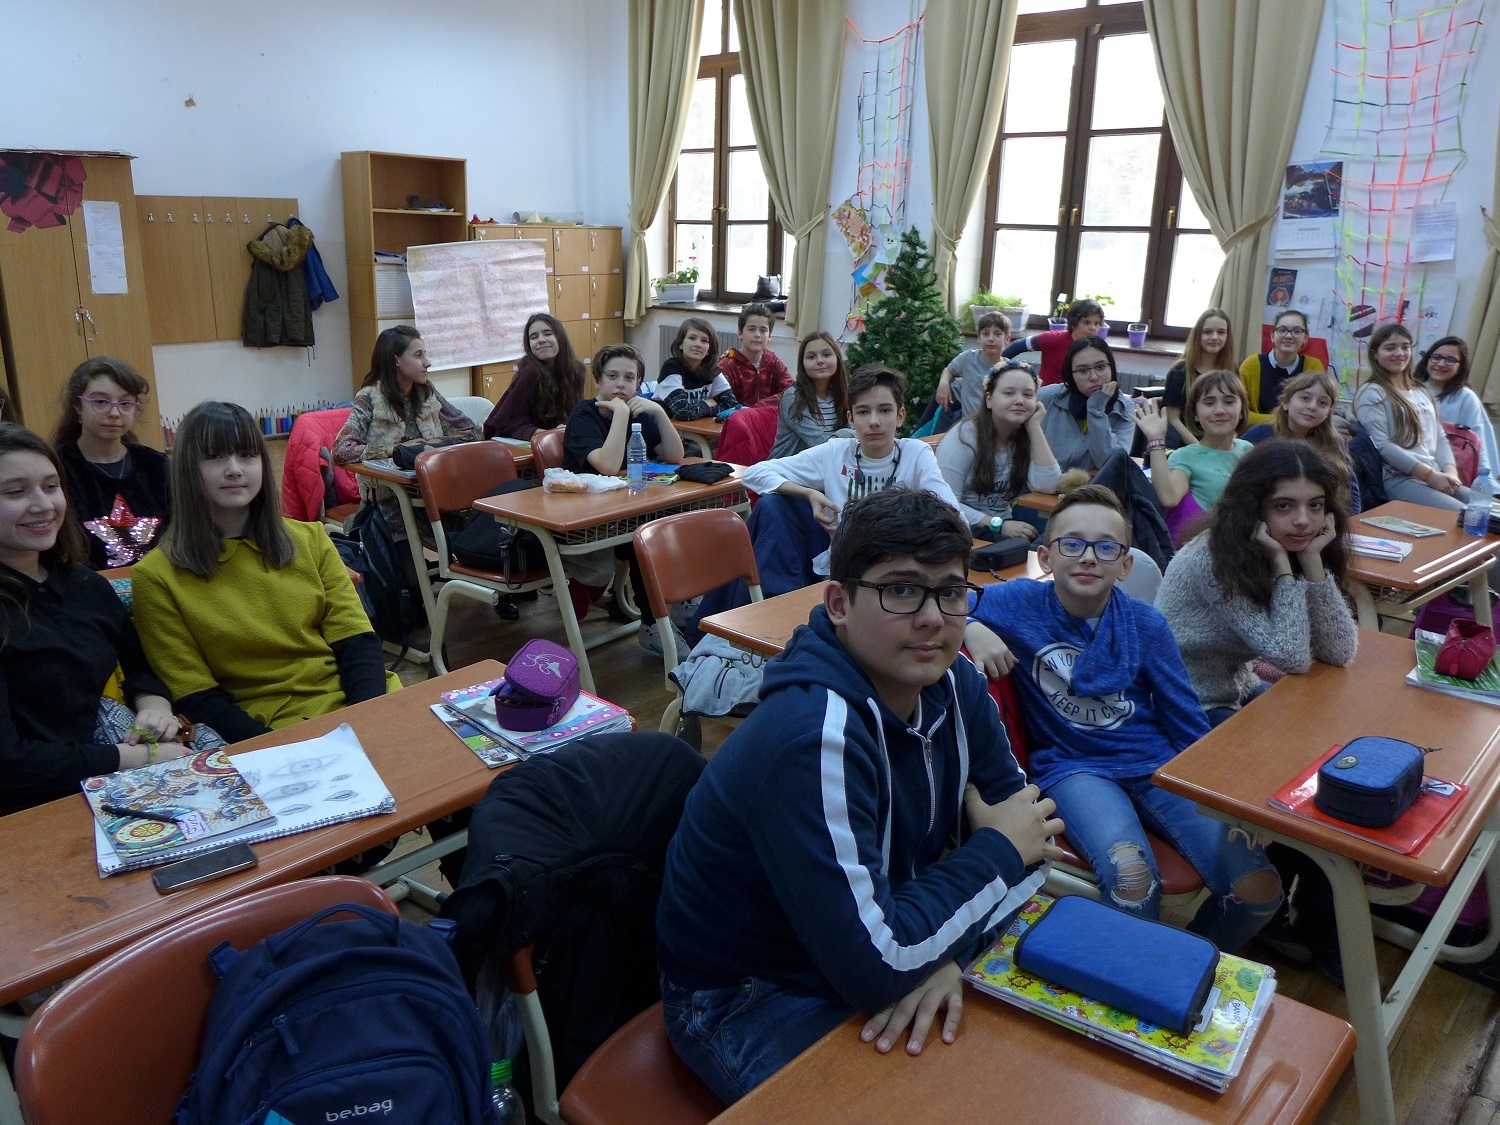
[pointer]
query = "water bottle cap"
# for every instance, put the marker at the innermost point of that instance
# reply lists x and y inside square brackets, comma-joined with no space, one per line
[635,427]
[499,1072]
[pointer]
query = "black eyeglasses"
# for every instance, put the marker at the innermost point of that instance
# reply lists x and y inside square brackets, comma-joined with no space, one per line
[1100,368]
[910,597]
[1445,360]
[1105,550]
[1283,330]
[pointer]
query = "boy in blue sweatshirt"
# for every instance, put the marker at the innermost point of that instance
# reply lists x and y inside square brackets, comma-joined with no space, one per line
[811,876]
[1107,700]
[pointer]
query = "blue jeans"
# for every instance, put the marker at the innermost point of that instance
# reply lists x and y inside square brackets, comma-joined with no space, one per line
[735,1038]
[1105,816]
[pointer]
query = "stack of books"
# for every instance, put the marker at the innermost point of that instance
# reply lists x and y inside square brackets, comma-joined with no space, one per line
[1210,1055]
[1374,548]
[1486,689]
[470,714]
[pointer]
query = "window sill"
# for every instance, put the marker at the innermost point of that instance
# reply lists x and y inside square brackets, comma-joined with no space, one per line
[731,308]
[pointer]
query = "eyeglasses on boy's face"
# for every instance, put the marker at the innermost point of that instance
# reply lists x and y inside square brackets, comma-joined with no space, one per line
[1287,330]
[910,597]
[1105,550]
[98,405]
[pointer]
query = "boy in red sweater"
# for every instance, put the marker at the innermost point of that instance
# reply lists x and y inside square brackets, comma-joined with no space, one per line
[756,374]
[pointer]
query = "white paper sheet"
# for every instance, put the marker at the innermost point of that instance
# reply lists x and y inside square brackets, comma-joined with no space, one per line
[1434,232]
[106,242]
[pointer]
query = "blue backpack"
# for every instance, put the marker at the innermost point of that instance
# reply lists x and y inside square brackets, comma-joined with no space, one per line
[354,1020]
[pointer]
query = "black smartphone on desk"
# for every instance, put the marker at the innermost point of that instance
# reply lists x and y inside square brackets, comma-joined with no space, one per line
[201,868]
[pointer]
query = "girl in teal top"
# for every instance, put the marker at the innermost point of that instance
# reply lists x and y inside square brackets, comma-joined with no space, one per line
[1218,411]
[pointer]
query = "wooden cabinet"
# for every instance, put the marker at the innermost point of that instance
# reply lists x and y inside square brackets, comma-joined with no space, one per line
[493,379]
[378,215]
[52,319]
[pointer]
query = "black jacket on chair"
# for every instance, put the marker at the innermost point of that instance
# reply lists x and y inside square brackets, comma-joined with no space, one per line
[566,850]
[1148,523]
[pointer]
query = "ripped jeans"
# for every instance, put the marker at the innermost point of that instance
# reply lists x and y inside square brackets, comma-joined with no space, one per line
[1105,817]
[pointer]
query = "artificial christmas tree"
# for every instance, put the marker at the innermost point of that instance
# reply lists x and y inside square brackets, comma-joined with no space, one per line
[910,328]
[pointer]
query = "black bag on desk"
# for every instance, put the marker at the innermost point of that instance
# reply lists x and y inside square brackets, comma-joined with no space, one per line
[485,544]
[405,454]
[998,556]
[705,472]
[1371,781]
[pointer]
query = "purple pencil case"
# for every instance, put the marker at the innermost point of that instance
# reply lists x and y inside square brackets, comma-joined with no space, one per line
[541,682]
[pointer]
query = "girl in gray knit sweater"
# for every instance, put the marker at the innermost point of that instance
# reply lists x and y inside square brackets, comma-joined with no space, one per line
[1264,582]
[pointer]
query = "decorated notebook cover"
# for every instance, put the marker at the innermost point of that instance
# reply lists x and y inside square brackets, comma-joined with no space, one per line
[387,464]
[1210,1055]
[1401,526]
[588,715]
[490,752]
[306,785]
[203,795]
[1428,645]
[1437,801]
[658,472]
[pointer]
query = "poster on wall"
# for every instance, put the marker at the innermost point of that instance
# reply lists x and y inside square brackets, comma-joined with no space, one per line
[472,298]
[1282,285]
[1310,203]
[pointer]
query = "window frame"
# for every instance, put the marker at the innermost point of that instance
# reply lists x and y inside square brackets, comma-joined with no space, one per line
[721,68]
[1086,27]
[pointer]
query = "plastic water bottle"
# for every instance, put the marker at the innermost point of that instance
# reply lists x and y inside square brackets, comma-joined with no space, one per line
[503,1099]
[1477,513]
[635,460]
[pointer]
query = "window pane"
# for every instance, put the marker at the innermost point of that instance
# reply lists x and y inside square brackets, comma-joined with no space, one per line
[695,240]
[734,35]
[1023,266]
[741,131]
[713,28]
[701,113]
[1113,263]
[746,259]
[1122,180]
[1031,171]
[1189,215]
[695,186]
[1195,267]
[788,256]
[1041,80]
[748,197]
[1127,89]
[1027,7]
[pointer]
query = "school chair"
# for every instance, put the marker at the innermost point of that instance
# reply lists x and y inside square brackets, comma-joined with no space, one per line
[117,1045]
[451,478]
[1180,882]
[683,557]
[1144,578]
[309,479]
[477,407]
[547,449]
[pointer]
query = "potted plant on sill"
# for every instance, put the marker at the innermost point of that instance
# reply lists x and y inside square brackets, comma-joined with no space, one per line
[987,301]
[679,287]
[1058,321]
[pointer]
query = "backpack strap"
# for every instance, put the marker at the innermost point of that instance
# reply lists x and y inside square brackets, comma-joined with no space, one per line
[221,959]
[279,942]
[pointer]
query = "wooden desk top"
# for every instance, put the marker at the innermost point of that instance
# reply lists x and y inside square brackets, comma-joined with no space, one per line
[1038,501]
[570,511]
[703,427]
[1236,767]
[766,627]
[58,917]
[1431,560]
[1005,1057]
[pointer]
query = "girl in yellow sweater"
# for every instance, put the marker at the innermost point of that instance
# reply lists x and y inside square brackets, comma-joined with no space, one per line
[252,619]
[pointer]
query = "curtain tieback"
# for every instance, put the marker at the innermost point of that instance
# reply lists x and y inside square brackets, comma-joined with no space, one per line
[1246,231]
[1491,229]
[811,225]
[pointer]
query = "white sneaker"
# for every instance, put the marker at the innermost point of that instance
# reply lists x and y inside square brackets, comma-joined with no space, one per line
[649,637]
[682,612]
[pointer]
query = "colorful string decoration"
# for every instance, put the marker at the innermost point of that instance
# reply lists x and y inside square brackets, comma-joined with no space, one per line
[1400,69]
[873,218]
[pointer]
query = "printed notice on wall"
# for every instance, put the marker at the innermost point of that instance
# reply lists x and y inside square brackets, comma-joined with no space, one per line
[101,225]
[1434,232]
[472,299]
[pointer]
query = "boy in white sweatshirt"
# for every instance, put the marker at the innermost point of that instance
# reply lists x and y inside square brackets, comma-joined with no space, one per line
[827,476]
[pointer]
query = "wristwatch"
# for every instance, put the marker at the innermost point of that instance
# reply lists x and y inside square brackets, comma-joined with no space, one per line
[996,523]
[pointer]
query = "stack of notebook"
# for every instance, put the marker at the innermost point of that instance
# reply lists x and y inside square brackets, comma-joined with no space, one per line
[1486,689]
[482,733]
[1210,1055]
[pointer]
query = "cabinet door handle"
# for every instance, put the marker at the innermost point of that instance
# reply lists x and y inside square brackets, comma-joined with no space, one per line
[78,318]
[94,328]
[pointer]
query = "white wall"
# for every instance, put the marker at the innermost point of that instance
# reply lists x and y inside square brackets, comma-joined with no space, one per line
[533,95]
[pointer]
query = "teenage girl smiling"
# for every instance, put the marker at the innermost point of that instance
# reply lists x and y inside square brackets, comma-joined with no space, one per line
[1218,407]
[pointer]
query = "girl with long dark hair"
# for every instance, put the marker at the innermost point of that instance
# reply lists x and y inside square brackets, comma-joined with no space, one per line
[548,383]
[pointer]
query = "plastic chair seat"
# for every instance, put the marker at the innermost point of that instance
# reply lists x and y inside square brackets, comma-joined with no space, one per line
[1177,875]
[636,1076]
[340,512]
[459,570]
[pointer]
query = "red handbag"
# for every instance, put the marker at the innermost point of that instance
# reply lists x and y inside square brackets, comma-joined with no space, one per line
[1467,650]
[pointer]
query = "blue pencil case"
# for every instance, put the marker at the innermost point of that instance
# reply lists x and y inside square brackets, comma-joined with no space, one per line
[1153,971]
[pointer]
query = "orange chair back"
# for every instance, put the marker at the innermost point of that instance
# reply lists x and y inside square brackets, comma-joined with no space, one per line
[689,554]
[93,1026]
[547,449]
[454,476]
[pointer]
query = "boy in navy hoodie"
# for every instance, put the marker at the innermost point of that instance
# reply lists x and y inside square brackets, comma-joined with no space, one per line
[1107,700]
[811,875]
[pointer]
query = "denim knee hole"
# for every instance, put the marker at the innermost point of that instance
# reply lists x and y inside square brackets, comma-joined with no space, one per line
[1134,881]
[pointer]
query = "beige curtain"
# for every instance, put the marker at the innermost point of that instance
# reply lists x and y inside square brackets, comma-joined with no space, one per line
[966,54]
[1234,76]
[663,48]
[1484,318]
[792,56]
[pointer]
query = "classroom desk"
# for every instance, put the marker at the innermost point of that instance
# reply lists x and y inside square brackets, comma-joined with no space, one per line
[764,628]
[1232,771]
[1436,564]
[1042,502]
[1007,1064]
[574,523]
[58,917]
[705,430]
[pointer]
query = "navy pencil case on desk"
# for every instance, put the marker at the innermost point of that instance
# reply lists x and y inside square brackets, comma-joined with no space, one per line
[1151,970]
[1371,781]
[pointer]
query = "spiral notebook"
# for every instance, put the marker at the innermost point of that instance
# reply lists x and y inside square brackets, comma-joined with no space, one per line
[306,785]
